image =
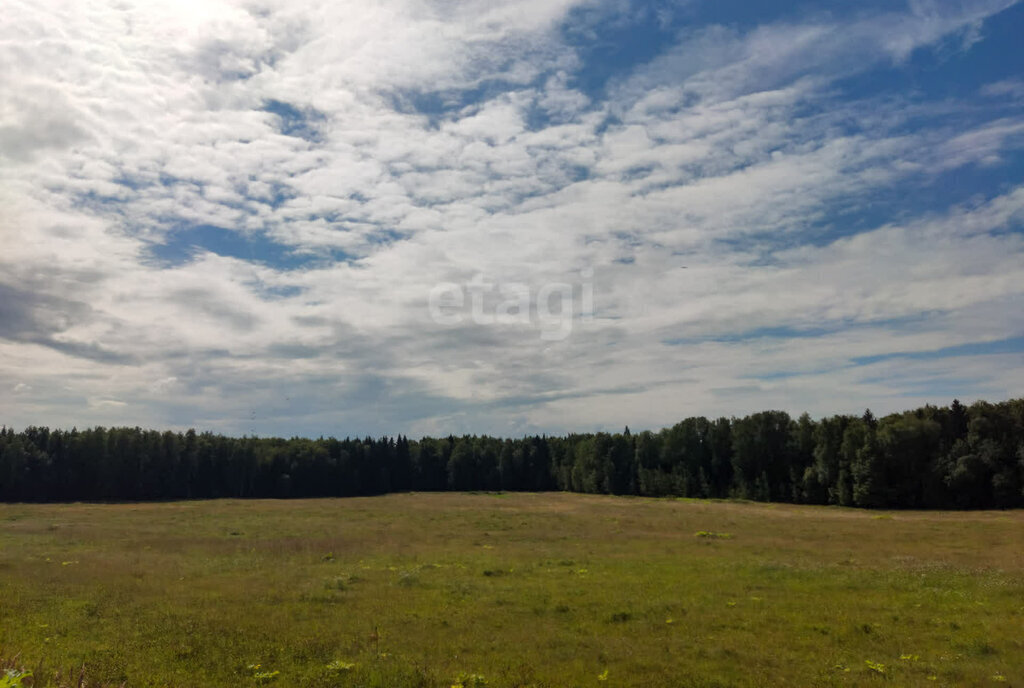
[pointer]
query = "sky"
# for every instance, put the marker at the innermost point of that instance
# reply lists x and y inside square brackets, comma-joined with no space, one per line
[286,217]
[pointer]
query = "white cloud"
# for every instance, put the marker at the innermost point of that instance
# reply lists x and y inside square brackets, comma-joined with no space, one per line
[1012,88]
[730,154]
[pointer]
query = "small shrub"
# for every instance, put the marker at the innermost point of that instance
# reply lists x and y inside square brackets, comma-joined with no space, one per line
[707,534]
[982,648]
[12,678]
[408,579]
[876,667]
[339,666]
[262,676]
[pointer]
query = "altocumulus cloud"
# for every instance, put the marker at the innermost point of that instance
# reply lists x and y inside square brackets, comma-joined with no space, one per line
[232,215]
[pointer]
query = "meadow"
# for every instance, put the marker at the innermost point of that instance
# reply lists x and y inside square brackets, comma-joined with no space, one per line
[512,590]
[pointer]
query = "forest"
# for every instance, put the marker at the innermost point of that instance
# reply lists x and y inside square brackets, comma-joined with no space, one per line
[955,457]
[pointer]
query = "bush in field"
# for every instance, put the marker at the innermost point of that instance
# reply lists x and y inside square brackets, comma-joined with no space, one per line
[14,675]
[12,678]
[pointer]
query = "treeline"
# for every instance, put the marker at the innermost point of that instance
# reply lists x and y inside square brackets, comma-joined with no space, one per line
[933,457]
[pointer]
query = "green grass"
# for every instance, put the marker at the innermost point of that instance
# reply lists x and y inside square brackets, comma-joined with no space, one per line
[525,590]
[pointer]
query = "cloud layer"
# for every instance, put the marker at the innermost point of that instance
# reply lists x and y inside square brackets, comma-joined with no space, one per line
[232,215]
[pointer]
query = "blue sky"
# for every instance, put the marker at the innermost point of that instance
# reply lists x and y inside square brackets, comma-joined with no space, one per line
[304,218]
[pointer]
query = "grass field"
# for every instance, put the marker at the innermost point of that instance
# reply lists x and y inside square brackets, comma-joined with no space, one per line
[513,590]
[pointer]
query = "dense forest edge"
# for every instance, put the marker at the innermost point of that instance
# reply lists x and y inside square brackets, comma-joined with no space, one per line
[955,457]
